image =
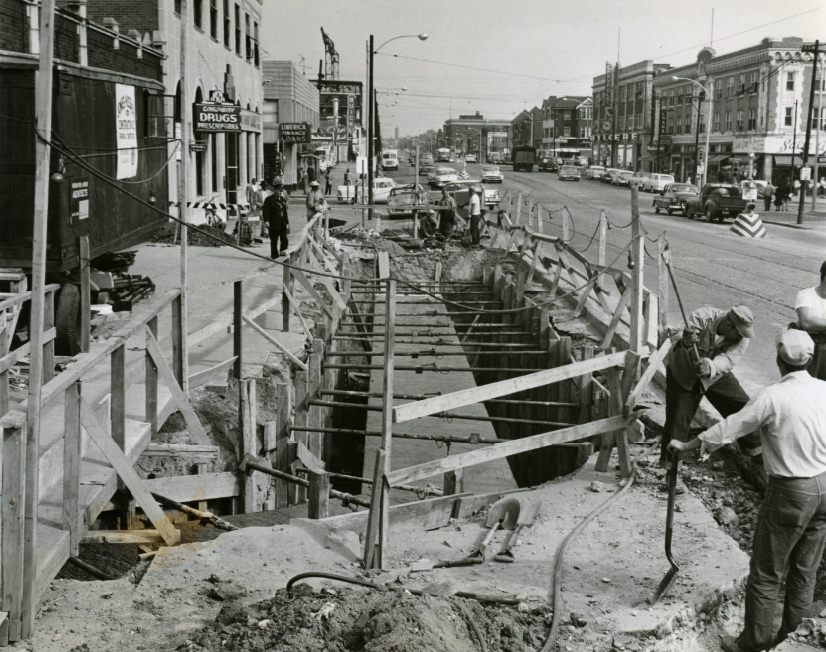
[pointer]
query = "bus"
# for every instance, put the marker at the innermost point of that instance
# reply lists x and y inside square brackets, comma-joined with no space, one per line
[524,158]
[443,154]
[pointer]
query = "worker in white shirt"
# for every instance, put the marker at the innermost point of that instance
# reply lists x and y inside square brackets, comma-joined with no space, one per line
[790,534]
[810,305]
[475,213]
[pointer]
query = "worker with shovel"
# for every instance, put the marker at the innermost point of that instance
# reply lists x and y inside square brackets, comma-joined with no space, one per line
[701,364]
[791,527]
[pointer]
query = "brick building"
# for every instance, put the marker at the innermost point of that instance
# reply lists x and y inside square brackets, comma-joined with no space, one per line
[526,128]
[566,126]
[472,133]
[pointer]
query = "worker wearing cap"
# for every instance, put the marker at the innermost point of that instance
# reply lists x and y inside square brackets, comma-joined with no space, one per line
[721,338]
[276,217]
[315,200]
[475,213]
[790,416]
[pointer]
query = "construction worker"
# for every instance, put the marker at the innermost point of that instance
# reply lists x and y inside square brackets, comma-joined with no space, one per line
[475,213]
[810,305]
[790,534]
[700,364]
[447,214]
[315,201]
[277,220]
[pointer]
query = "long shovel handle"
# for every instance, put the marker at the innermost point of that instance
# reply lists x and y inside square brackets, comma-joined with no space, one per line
[667,260]
[672,496]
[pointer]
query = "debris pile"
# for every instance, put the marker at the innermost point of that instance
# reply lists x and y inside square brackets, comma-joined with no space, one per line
[202,236]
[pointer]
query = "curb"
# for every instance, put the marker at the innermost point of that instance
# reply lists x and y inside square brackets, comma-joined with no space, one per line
[805,227]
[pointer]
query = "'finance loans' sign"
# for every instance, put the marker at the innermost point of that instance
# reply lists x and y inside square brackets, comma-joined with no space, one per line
[294,132]
[217,117]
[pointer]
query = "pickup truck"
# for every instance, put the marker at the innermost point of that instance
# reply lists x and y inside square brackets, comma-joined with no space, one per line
[717,201]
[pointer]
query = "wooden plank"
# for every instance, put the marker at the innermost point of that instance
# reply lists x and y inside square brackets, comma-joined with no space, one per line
[281,461]
[13,426]
[194,488]
[116,458]
[662,284]
[117,388]
[318,496]
[218,371]
[305,283]
[292,304]
[436,404]
[85,293]
[237,328]
[248,444]
[71,465]
[608,337]
[48,343]
[315,413]
[309,459]
[179,352]
[383,265]
[371,559]
[287,285]
[504,449]
[637,282]
[295,360]
[136,537]
[196,430]
[647,376]
[151,382]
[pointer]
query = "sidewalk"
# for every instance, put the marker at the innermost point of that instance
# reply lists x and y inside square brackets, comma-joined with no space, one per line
[812,219]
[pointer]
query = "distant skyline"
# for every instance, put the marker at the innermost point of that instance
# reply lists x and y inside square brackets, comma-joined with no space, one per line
[500,58]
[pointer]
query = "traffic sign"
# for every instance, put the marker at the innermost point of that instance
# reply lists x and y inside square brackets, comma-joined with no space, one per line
[806,174]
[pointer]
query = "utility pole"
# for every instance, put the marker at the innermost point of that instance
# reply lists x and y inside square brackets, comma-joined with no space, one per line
[707,157]
[370,127]
[805,182]
[700,98]
[183,192]
[820,122]
[42,148]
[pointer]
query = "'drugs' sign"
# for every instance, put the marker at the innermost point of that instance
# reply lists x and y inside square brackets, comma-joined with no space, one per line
[216,117]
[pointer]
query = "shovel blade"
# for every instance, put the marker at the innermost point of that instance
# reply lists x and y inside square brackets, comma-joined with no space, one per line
[666,583]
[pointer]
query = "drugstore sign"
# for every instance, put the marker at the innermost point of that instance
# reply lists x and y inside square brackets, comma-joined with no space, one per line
[216,117]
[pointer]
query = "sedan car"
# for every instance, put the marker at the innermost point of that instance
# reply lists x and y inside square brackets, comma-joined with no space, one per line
[351,194]
[675,197]
[441,176]
[609,175]
[403,199]
[567,172]
[492,174]
[470,158]
[460,191]
[623,178]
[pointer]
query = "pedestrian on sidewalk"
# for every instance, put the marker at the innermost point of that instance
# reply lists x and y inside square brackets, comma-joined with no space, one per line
[721,338]
[790,533]
[475,213]
[328,181]
[278,223]
[347,177]
[780,195]
[315,201]
[768,193]
[810,305]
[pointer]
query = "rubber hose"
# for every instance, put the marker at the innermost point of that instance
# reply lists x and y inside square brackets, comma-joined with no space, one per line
[560,555]
[394,587]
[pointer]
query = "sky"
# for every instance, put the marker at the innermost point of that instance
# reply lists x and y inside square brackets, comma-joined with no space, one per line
[499,57]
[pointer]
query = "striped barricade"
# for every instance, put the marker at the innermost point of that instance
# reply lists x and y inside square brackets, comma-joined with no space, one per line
[749,226]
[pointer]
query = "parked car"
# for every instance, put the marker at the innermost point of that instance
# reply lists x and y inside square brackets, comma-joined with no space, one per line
[657,181]
[492,174]
[470,157]
[609,175]
[569,172]
[675,197]
[496,158]
[441,176]
[623,178]
[717,201]
[425,163]
[595,172]
[640,179]
[352,194]
[402,200]
[548,165]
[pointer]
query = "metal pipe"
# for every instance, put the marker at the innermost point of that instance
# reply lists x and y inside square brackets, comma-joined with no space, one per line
[431,367]
[402,487]
[379,338]
[431,352]
[471,439]
[421,397]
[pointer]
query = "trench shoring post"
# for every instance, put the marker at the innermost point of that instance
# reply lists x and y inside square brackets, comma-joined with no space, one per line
[375,542]
[297,494]
[85,293]
[282,437]
[315,414]
[15,552]
[318,495]
[151,381]
[603,239]
[288,285]
[662,287]
[518,208]
[247,408]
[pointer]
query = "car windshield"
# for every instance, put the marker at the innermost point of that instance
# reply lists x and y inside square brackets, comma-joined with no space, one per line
[490,168]
[682,187]
[626,174]
[445,171]
[568,168]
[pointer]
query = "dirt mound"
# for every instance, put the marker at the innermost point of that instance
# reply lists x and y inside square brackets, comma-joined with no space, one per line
[349,619]
[200,236]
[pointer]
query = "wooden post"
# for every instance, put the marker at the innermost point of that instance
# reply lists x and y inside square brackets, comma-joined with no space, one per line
[117,387]
[48,324]
[638,256]
[151,380]
[318,505]
[201,468]
[314,413]
[85,293]
[248,441]
[237,328]
[43,125]
[16,564]
[178,343]
[282,436]
[453,482]
[662,285]
[602,243]
[71,465]
[288,285]
[566,226]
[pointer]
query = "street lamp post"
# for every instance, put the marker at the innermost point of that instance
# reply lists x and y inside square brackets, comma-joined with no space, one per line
[709,93]
[371,112]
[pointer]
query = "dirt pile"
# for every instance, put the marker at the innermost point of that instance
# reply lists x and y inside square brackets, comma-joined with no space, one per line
[200,236]
[335,621]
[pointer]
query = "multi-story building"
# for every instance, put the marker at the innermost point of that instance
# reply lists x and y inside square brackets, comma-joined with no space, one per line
[759,102]
[340,108]
[526,127]
[291,116]
[622,113]
[566,126]
[472,133]
[223,68]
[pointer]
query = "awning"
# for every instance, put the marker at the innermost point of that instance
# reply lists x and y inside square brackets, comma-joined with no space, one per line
[718,158]
[785,159]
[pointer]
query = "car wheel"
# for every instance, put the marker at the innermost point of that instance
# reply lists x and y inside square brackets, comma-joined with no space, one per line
[656,208]
[709,213]
[686,213]
[669,211]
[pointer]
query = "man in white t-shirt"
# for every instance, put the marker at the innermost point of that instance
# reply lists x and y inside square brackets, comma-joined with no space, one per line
[810,305]
[475,213]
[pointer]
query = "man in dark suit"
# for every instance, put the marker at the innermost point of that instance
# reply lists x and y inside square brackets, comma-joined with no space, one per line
[278,223]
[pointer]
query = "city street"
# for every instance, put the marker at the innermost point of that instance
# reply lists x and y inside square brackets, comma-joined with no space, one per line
[713,265]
